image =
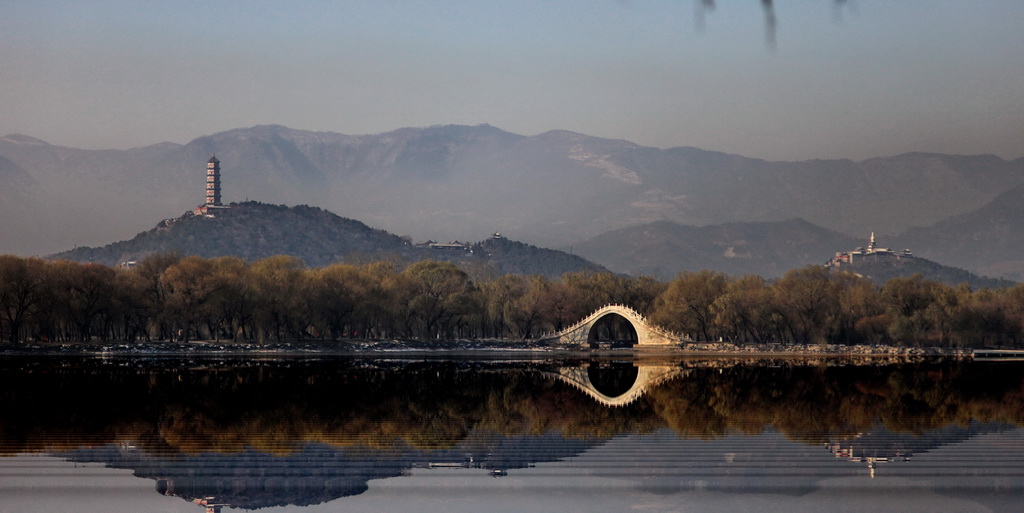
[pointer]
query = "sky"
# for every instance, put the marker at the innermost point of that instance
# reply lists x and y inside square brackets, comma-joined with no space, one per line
[861,79]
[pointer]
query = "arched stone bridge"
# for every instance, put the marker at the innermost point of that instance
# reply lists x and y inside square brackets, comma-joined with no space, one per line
[584,332]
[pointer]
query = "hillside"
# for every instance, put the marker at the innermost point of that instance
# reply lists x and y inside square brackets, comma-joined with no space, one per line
[512,257]
[253,230]
[882,270]
[663,249]
[14,181]
[462,182]
[989,239]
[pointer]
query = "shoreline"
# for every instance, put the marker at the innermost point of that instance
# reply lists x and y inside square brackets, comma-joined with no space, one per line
[475,349]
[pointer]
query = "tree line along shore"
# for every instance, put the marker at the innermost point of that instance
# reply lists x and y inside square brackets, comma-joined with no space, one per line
[168,297]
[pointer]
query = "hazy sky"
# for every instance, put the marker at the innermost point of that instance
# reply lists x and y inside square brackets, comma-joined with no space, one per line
[874,78]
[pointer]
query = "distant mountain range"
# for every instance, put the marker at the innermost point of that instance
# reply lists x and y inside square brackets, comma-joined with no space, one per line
[664,249]
[253,230]
[987,240]
[554,189]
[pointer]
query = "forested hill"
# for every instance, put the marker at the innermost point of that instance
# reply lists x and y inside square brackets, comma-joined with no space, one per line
[253,230]
[512,257]
[883,270]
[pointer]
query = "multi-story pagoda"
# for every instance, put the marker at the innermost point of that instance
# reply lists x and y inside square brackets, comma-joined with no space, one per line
[213,200]
[213,182]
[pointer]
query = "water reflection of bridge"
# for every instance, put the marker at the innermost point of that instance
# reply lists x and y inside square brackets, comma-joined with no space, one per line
[618,383]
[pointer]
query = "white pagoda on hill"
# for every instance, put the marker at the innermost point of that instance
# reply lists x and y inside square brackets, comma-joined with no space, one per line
[871,253]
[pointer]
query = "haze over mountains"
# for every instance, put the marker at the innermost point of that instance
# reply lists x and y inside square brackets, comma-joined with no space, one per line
[555,189]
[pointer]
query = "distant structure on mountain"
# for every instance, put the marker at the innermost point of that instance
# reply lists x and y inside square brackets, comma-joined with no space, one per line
[212,188]
[213,181]
[871,253]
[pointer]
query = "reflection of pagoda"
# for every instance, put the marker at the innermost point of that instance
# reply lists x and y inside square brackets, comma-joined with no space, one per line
[855,452]
[881,445]
[210,504]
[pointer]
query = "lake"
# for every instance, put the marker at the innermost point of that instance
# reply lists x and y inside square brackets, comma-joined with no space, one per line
[424,433]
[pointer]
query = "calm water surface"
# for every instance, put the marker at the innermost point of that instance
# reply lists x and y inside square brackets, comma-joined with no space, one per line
[335,434]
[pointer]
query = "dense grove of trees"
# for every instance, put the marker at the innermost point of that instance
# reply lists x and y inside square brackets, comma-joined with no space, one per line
[169,297]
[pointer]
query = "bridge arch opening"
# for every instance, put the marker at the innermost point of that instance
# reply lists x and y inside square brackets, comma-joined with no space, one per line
[613,379]
[612,330]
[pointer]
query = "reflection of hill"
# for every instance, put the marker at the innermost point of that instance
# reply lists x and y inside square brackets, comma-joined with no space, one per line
[318,473]
[250,479]
[660,462]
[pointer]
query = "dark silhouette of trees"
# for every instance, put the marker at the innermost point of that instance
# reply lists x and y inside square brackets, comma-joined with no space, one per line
[168,297]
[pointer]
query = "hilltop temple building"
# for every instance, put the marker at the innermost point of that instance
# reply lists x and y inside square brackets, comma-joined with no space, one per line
[871,253]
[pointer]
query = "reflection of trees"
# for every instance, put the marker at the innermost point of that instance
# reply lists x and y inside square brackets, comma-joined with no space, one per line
[816,404]
[273,407]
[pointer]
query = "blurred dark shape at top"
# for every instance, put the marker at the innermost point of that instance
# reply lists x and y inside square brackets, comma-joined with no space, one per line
[770,20]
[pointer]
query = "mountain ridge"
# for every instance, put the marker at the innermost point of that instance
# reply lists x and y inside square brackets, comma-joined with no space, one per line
[665,248]
[988,238]
[460,181]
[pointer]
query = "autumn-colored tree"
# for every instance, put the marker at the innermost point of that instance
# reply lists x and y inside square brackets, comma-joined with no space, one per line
[232,304]
[88,291]
[686,305]
[21,288]
[150,269]
[337,293]
[808,301]
[189,284]
[921,309]
[988,318]
[440,297]
[860,313]
[746,311]
[386,301]
[132,314]
[277,282]
[503,305]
